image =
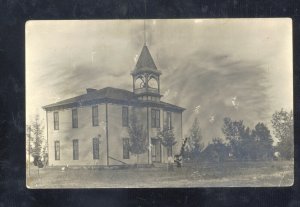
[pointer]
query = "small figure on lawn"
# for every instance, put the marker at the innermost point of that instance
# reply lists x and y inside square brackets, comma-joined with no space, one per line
[170,163]
[178,161]
[38,162]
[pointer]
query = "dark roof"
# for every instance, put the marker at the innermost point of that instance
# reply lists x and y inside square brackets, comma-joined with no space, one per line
[108,95]
[104,93]
[145,62]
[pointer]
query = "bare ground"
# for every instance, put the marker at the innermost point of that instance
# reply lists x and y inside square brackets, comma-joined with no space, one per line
[227,174]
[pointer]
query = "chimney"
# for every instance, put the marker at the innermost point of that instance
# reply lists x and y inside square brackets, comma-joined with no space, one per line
[90,90]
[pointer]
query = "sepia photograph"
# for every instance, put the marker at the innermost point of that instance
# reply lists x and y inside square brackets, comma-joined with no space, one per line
[159,103]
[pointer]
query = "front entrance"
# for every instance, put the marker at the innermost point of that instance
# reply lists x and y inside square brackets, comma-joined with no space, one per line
[155,150]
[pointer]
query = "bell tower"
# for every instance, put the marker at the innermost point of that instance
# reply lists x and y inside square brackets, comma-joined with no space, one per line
[146,84]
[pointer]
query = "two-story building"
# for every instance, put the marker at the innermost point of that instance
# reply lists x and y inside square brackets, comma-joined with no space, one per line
[92,129]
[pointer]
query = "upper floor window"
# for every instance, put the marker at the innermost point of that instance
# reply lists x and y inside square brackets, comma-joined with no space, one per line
[56,120]
[95,116]
[75,149]
[155,118]
[96,148]
[74,118]
[124,116]
[57,150]
[169,120]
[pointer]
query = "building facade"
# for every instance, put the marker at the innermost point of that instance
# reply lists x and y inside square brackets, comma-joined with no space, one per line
[92,129]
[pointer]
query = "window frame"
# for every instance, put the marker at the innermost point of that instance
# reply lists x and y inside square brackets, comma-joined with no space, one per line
[75,149]
[95,115]
[96,148]
[125,116]
[169,119]
[56,120]
[126,150]
[57,150]
[74,118]
[155,118]
[170,151]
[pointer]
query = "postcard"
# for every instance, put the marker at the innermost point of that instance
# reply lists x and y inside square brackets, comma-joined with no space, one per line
[156,103]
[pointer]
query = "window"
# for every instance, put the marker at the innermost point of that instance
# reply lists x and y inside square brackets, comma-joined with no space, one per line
[75,149]
[126,148]
[57,150]
[169,120]
[155,118]
[74,118]
[56,120]
[96,148]
[169,151]
[125,116]
[95,116]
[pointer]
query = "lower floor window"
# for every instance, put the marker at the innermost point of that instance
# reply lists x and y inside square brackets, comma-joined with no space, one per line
[96,148]
[125,148]
[169,151]
[57,150]
[75,149]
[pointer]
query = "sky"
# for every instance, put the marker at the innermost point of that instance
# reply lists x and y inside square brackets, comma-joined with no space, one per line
[215,68]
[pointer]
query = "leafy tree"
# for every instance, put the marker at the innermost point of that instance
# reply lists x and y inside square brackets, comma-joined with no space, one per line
[167,137]
[36,135]
[217,141]
[218,150]
[283,126]
[195,144]
[246,145]
[248,149]
[234,132]
[263,142]
[29,139]
[137,136]
[45,153]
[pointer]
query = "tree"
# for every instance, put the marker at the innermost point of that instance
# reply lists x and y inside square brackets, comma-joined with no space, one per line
[195,144]
[167,137]
[217,151]
[248,148]
[28,146]
[263,142]
[37,136]
[45,153]
[234,132]
[137,136]
[283,128]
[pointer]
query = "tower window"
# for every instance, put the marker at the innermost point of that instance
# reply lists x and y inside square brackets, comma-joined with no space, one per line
[74,118]
[155,118]
[152,83]
[125,116]
[95,118]
[56,120]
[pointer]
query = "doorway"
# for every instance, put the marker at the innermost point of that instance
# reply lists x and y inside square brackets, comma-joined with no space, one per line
[155,150]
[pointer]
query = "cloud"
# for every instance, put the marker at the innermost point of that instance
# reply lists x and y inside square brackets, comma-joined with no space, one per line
[215,86]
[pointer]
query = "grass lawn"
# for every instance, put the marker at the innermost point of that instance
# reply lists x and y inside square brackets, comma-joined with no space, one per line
[227,174]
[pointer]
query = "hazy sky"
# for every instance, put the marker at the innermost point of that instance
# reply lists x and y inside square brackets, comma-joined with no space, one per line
[241,68]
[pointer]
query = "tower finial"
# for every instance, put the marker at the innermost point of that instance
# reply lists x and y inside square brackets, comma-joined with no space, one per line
[145,38]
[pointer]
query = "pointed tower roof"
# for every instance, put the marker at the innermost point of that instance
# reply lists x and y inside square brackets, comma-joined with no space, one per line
[145,63]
